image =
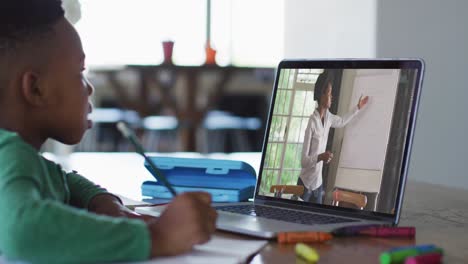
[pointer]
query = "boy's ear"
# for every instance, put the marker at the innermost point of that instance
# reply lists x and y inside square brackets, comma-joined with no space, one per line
[33,93]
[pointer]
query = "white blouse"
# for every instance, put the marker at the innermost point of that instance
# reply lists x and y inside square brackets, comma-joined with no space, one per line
[315,142]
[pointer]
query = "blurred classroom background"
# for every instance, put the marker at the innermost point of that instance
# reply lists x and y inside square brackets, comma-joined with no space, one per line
[213,93]
[181,98]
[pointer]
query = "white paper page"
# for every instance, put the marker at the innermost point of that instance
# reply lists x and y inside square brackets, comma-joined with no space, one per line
[217,250]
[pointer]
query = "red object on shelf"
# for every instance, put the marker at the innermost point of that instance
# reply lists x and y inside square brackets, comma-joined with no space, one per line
[168,47]
[210,55]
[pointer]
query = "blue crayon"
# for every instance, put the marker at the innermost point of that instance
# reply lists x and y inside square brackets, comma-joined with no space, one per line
[422,248]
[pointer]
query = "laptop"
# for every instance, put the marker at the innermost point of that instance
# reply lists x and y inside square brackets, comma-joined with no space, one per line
[361,179]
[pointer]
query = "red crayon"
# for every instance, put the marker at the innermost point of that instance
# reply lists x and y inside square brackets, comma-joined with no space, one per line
[407,232]
[431,258]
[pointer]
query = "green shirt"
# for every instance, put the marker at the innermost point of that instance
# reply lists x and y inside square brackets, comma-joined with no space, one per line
[43,216]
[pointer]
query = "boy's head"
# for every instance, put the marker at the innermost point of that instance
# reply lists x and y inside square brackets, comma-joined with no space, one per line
[43,93]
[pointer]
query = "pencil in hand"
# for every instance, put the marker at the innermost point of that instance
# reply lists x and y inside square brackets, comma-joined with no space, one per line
[159,175]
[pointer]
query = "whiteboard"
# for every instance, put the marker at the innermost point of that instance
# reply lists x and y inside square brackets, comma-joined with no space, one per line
[366,137]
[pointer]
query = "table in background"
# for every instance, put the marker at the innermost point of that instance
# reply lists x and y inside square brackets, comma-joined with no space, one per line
[440,214]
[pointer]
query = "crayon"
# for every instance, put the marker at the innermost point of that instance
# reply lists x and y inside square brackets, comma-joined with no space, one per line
[351,230]
[431,258]
[306,252]
[398,256]
[308,237]
[425,247]
[407,232]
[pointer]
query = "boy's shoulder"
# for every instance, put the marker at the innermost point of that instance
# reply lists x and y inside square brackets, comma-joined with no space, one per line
[12,142]
[17,156]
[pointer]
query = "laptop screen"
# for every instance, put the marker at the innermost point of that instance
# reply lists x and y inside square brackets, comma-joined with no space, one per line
[339,133]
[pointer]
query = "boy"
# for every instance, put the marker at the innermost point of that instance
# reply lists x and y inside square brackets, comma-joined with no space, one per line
[48,215]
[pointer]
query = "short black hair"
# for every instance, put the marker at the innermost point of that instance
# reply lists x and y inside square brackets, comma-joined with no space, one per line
[23,24]
[325,78]
[24,20]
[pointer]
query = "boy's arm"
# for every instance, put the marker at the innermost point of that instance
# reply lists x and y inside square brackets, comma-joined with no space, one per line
[82,190]
[36,226]
[42,230]
[86,194]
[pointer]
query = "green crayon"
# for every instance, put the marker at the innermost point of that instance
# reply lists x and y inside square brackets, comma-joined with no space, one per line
[399,256]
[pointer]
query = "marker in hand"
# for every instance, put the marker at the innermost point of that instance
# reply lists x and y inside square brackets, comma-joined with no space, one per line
[128,133]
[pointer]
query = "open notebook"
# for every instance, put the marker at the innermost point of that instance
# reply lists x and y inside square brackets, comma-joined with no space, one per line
[217,250]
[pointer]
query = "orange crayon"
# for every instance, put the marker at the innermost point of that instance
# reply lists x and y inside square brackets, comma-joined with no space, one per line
[306,237]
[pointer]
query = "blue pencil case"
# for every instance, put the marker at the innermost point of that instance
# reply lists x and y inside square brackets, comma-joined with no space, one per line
[225,180]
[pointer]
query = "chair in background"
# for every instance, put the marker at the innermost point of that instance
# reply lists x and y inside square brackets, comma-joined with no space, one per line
[225,132]
[235,124]
[160,133]
[349,197]
[104,135]
[295,190]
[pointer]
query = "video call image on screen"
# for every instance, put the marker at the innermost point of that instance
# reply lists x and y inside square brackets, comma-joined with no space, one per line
[337,136]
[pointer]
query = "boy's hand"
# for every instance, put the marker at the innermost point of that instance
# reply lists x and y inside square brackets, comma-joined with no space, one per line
[187,221]
[106,204]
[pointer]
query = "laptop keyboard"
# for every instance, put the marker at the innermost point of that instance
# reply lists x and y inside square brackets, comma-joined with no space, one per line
[281,214]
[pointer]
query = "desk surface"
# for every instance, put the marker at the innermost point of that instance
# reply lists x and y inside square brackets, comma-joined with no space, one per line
[440,214]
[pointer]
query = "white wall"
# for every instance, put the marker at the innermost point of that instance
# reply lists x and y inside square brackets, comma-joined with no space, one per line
[331,28]
[434,30]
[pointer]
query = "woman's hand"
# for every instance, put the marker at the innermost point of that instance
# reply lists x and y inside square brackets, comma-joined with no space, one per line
[362,101]
[326,157]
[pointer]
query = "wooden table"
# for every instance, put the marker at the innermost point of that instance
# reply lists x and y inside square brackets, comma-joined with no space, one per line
[163,78]
[440,214]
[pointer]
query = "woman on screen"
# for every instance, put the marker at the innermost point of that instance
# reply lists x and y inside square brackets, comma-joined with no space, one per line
[314,153]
